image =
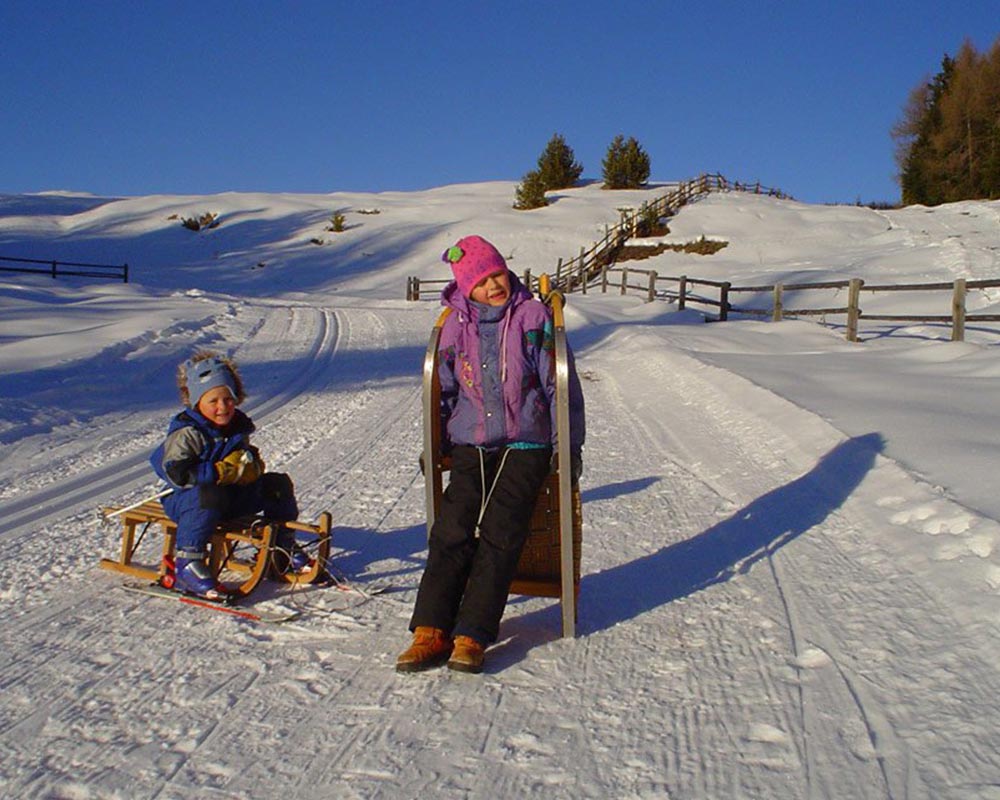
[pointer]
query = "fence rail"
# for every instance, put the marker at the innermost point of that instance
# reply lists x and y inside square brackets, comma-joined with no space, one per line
[57,268]
[777,309]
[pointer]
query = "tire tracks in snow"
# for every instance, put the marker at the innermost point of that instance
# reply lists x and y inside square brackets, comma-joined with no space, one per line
[730,623]
[342,430]
[54,515]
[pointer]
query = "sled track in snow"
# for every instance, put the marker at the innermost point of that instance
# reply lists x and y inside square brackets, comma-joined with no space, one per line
[89,489]
[750,613]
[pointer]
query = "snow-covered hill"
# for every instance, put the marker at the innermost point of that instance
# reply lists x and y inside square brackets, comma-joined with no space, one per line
[790,567]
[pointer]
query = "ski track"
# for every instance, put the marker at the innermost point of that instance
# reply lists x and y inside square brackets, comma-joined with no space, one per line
[743,678]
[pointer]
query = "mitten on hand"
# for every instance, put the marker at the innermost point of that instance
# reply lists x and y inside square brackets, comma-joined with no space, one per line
[233,467]
[253,467]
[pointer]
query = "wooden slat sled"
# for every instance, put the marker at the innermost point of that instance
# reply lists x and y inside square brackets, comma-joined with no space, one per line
[240,550]
[550,561]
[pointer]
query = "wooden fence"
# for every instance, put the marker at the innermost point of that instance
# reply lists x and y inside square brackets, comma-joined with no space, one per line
[683,290]
[593,268]
[75,268]
[577,272]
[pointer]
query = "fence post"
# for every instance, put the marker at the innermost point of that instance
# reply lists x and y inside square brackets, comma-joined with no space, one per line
[682,292]
[958,311]
[527,278]
[125,278]
[778,311]
[55,265]
[604,279]
[724,301]
[624,280]
[853,309]
[583,279]
[416,287]
[652,286]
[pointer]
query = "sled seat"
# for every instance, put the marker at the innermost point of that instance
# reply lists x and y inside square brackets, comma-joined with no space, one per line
[240,552]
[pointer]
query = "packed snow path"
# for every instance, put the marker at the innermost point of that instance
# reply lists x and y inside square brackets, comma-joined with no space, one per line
[746,627]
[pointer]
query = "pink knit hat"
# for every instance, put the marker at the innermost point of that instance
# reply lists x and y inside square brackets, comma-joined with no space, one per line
[472,259]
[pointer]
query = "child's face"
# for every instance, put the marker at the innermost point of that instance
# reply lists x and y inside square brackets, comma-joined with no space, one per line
[217,406]
[493,290]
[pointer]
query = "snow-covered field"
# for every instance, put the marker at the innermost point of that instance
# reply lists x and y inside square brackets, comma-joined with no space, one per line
[791,566]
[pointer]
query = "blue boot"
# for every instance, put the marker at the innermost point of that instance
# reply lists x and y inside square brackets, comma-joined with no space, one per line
[192,576]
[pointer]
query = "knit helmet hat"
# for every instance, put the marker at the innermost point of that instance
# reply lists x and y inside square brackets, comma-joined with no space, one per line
[206,371]
[472,259]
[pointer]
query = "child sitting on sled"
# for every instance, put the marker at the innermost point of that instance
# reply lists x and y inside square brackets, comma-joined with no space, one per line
[497,372]
[216,474]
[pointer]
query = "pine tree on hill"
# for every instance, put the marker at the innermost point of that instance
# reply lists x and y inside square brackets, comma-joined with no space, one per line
[530,193]
[626,164]
[556,165]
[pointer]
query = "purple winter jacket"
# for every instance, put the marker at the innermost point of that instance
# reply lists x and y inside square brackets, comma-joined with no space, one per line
[497,371]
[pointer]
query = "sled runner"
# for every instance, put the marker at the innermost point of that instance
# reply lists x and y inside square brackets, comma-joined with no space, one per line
[550,562]
[241,551]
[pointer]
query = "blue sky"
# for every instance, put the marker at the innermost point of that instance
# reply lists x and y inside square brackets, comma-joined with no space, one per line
[127,98]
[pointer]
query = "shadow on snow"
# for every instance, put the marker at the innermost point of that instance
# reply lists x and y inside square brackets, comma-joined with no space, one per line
[731,547]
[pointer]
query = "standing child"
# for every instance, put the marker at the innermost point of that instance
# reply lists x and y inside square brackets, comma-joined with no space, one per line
[216,474]
[497,370]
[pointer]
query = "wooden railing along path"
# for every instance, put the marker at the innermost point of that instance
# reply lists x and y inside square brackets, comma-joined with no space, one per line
[593,269]
[576,273]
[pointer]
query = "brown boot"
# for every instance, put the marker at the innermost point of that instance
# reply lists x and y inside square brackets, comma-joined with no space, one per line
[430,648]
[467,656]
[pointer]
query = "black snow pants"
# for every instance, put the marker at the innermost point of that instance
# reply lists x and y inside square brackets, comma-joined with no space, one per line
[468,574]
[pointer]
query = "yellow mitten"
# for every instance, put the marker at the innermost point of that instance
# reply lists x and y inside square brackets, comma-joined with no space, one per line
[253,467]
[230,469]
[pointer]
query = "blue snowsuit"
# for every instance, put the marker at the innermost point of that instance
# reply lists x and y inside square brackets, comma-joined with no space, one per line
[186,460]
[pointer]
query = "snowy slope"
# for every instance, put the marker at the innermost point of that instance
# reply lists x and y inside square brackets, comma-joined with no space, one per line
[790,543]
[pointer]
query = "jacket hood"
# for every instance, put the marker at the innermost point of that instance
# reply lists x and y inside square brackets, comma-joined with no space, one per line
[452,297]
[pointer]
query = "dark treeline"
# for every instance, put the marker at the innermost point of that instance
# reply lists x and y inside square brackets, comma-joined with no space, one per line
[948,139]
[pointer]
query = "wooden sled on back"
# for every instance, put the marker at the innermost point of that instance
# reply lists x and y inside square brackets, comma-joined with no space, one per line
[241,551]
[550,562]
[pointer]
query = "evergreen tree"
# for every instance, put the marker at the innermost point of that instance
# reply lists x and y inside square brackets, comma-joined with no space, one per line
[556,165]
[625,165]
[991,113]
[530,193]
[948,140]
[915,135]
[957,141]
